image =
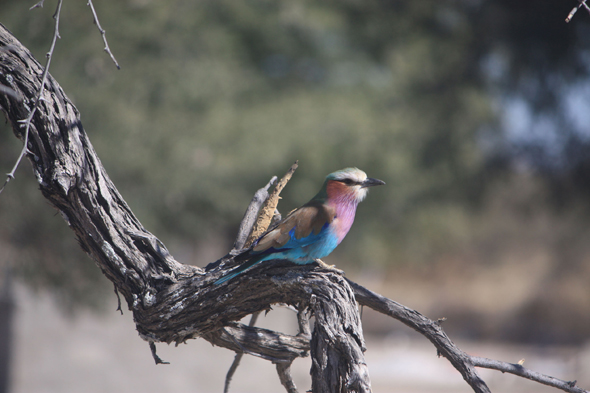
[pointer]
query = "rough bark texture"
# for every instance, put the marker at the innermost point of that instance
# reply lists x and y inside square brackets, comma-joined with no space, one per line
[332,352]
[172,302]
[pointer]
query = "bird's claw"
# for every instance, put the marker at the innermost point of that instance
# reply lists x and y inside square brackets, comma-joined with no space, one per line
[333,268]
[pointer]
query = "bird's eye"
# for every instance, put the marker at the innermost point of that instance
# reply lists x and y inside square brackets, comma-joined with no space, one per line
[348,182]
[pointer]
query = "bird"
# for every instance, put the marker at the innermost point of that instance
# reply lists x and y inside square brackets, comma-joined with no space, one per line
[314,230]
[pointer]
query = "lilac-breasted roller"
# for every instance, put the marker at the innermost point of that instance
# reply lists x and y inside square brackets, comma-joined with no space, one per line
[315,229]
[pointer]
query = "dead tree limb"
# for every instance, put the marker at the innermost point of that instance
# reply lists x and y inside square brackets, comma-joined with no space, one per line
[250,216]
[575,9]
[26,122]
[170,302]
[107,49]
[238,358]
[432,330]
[518,369]
[270,206]
[173,302]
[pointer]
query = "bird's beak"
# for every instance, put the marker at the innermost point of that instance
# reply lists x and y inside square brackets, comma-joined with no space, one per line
[370,182]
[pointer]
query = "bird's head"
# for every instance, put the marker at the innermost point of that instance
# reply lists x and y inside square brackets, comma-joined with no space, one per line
[349,184]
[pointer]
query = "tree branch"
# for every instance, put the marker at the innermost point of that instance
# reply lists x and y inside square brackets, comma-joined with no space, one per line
[430,329]
[463,362]
[102,34]
[172,302]
[518,369]
[155,355]
[284,371]
[270,206]
[37,5]
[250,216]
[575,9]
[238,357]
[26,123]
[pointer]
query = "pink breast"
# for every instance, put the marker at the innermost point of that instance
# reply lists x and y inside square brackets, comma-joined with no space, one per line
[344,218]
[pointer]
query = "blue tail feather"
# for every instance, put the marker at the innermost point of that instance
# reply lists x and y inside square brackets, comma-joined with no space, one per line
[238,270]
[226,278]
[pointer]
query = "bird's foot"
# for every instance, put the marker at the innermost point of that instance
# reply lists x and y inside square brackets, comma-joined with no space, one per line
[333,268]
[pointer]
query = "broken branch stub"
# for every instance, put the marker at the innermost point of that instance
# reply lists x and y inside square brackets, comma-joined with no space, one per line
[268,210]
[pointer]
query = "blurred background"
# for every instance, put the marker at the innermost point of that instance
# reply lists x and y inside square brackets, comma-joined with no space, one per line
[475,113]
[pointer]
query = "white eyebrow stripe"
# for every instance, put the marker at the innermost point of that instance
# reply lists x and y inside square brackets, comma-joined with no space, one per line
[353,174]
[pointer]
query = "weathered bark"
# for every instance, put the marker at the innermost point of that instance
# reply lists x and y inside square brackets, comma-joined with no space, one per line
[333,354]
[172,302]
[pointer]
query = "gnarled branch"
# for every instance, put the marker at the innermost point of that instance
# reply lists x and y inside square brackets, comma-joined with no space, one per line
[173,302]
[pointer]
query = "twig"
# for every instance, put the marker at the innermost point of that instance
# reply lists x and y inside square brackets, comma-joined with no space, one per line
[103,34]
[517,369]
[575,9]
[268,211]
[284,371]
[118,300]
[463,362]
[38,5]
[428,328]
[238,358]
[232,370]
[155,356]
[27,122]
[250,216]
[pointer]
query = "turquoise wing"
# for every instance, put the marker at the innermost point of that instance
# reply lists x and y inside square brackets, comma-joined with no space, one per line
[300,228]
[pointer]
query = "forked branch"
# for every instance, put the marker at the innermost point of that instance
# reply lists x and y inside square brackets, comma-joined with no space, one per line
[173,302]
[25,122]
